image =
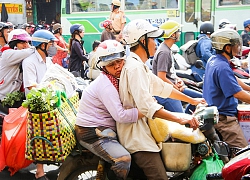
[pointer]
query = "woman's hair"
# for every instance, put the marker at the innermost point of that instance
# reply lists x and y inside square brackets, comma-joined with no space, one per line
[95,44]
[13,44]
[57,31]
[73,36]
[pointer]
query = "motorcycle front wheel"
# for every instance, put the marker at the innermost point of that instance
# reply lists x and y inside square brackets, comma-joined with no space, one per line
[84,173]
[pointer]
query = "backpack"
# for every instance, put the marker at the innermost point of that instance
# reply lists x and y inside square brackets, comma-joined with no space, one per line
[188,51]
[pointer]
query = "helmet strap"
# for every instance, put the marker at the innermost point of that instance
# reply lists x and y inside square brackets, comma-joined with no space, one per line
[145,47]
[229,54]
[174,38]
[109,28]
[79,34]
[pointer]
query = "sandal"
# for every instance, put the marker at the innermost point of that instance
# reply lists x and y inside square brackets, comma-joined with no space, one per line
[42,178]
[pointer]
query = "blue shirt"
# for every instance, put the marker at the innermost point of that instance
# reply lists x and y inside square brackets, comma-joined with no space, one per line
[245,38]
[220,85]
[204,51]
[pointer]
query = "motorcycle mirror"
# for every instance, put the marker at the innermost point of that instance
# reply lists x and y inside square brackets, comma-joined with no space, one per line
[199,64]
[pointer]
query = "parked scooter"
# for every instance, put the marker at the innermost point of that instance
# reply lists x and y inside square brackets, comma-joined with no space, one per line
[238,168]
[183,71]
[235,65]
[83,164]
[238,71]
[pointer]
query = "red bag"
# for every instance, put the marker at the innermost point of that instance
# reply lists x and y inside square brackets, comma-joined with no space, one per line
[12,150]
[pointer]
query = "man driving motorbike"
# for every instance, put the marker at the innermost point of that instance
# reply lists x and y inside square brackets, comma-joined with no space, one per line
[136,86]
[221,88]
[101,108]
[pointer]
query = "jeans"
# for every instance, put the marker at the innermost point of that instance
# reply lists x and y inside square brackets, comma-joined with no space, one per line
[194,94]
[103,143]
[174,105]
[170,104]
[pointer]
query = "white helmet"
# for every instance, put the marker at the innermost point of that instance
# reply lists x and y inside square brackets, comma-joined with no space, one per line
[222,37]
[230,26]
[223,22]
[18,34]
[175,48]
[109,51]
[136,29]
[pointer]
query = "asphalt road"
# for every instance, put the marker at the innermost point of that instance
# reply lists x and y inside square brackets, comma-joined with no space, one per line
[28,173]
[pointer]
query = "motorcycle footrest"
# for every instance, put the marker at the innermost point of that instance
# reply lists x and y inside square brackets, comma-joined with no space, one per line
[214,176]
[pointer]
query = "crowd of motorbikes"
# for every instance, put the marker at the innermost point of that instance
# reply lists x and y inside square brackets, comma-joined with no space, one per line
[83,164]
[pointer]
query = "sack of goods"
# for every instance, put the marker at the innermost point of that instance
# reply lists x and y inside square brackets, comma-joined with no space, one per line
[51,121]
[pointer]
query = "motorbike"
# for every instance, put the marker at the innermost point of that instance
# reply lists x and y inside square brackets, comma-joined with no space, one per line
[190,79]
[238,168]
[235,65]
[83,164]
[183,71]
[238,71]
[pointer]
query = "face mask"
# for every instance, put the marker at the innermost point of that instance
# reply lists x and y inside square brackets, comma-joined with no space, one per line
[51,51]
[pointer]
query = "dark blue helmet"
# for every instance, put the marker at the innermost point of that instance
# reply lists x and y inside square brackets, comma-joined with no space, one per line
[206,28]
[76,27]
[246,23]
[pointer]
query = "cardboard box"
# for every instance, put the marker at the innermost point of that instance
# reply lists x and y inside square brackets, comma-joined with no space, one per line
[244,120]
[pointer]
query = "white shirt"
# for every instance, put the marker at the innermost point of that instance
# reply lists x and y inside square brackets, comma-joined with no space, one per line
[34,68]
[136,87]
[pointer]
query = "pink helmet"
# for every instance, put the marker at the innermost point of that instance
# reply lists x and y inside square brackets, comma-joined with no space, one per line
[106,23]
[18,34]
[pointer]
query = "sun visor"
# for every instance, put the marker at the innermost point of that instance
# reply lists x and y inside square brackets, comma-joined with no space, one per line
[156,34]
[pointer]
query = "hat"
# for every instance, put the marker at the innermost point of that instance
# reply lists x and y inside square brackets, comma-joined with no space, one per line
[56,26]
[116,2]
[156,34]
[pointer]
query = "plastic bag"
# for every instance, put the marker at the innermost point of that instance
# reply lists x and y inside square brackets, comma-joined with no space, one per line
[12,150]
[61,78]
[162,130]
[65,62]
[210,165]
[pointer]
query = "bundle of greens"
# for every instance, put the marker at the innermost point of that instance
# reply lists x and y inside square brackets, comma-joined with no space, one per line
[41,99]
[12,98]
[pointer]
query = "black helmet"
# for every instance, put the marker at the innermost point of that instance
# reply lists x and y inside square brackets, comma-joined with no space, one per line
[206,28]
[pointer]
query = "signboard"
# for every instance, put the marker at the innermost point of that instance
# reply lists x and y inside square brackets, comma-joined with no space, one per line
[173,13]
[13,8]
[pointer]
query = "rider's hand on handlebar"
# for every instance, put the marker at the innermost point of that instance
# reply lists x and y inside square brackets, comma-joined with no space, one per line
[191,120]
[197,101]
